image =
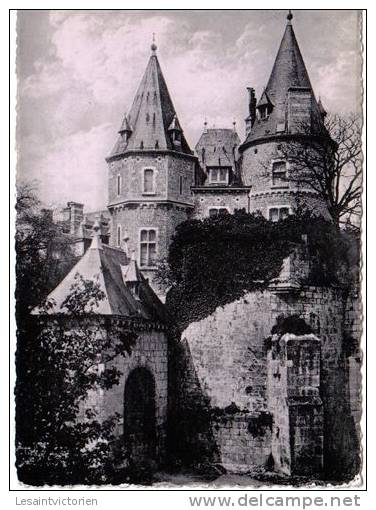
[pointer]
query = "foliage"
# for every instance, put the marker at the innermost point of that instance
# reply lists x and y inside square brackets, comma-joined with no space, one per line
[331,165]
[60,436]
[60,360]
[214,261]
[44,253]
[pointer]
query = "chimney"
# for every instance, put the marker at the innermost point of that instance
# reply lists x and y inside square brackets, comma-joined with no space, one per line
[76,216]
[250,120]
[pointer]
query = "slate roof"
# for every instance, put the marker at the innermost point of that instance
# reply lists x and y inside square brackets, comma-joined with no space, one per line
[151,115]
[218,145]
[289,72]
[106,265]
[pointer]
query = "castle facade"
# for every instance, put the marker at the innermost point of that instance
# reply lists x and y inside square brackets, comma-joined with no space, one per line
[156,181]
[220,395]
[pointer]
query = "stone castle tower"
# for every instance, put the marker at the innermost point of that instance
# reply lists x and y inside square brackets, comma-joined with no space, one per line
[151,171]
[286,111]
[230,391]
[157,182]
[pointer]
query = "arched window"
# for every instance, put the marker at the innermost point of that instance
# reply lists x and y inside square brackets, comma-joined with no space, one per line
[148,247]
[140,431]
[148,181]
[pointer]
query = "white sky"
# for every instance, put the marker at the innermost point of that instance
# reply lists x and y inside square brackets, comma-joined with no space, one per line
[78,72]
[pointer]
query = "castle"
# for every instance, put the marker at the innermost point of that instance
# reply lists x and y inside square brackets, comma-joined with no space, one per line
[293,406]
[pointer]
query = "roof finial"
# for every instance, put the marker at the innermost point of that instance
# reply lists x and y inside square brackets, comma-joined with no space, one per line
[153,45]
[234,124]
[205,124]
[289,17]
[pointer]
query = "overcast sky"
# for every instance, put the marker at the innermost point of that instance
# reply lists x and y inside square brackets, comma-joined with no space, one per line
[78,72]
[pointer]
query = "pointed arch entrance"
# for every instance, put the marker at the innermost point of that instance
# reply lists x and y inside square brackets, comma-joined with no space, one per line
[139,415]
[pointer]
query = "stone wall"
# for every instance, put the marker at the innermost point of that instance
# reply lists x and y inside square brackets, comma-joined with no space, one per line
[294,400]
[222,365]
[257,172]
[167,169]
[164,218]
[204,200]
[150,352]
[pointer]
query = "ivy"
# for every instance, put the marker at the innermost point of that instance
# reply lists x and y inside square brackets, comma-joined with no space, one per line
[215,261]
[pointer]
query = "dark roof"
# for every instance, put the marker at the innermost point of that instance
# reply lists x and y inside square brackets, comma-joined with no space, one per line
[289,72]
[106,265]
[216,147]
[151,115]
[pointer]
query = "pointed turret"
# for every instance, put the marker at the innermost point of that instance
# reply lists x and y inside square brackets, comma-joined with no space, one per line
[148,124]
[286,111]
[288,85]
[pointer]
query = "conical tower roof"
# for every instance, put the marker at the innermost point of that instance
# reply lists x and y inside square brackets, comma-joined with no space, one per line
[288,73]
[288,70]
[151,115]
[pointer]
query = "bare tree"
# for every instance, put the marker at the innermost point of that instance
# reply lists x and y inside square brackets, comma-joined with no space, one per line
[330,163]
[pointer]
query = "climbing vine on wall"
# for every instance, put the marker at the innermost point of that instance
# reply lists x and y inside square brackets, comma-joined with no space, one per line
[214,261]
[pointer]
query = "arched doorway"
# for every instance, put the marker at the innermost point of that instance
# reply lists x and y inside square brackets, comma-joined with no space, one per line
[139,415]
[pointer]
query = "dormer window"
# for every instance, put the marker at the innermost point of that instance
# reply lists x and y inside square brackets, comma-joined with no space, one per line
[148,181]
[264,106]
[264,113]
[218,175]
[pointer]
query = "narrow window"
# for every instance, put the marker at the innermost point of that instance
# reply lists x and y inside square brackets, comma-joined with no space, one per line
[148,180]
[283,213]
[118,236]
[181,184]
[148,247]
[273,214]
[279,174]
[118,184]
[223,174]
[264,112]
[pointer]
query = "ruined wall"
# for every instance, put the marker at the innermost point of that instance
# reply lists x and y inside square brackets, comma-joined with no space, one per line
[226,356]
[294,400]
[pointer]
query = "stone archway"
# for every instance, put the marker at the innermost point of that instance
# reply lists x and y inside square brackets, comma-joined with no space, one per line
[139,415]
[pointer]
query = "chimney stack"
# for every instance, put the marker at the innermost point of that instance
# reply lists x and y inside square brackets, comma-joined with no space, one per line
[250,120]
[76,216]
[252,104]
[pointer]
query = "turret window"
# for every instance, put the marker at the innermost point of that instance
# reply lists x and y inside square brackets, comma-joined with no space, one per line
[278,213]
[148,181]
[118,184]
[180,184]
[218,175]
[279,174]
[148,247]
[118,236]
